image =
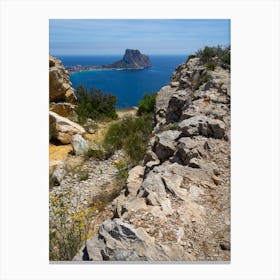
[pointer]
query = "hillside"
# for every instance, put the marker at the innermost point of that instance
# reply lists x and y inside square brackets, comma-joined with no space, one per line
[176,204]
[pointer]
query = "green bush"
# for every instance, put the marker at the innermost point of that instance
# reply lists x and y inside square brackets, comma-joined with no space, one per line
[98,154]
[123,169]
[191,56]
[68,227]
[147,104]
[208,53]
[94,104]
[83,175]
[226,58]
[211,65]
[131,134]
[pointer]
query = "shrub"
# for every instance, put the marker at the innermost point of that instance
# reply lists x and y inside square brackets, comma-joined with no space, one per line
[147,104]
[94,104]
[208,53]
[211,65]
[131,134]
[83,175]
[204,78]
[68,227]
[123,169]
[98,154]
[226,58]
[191,56]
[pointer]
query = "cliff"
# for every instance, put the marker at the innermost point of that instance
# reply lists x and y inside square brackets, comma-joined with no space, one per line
[62,100]
[176,205]
[60,87]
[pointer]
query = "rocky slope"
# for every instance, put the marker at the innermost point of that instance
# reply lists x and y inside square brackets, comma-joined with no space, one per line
[176,206]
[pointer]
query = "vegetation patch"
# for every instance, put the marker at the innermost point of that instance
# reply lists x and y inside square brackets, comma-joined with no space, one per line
[147,104]
[131,134]
[83,175]
[68,228]
[208,54]
[94,104]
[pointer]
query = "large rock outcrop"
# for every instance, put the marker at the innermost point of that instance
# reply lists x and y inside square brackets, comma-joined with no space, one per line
[132,59]
[63,128]
[59,83]
[176,206]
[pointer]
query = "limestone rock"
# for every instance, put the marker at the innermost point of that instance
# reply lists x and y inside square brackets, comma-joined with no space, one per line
[63,109]
[65,128]
[132,59]
[59,83]
[79,144]
[164,146]
[201,125]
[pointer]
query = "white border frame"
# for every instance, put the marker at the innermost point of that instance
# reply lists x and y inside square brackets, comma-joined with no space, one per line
[24,138]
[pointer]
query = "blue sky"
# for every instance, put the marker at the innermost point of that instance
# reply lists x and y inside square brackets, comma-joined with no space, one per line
[85,37]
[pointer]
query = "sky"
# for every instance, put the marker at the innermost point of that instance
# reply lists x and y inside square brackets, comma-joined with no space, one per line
[158,36]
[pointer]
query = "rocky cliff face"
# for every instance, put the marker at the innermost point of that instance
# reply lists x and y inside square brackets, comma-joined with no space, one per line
[132,59]
[59,82]
[176,206]
[62,103]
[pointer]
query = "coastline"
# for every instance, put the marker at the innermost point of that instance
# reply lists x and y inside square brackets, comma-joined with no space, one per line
[102,69]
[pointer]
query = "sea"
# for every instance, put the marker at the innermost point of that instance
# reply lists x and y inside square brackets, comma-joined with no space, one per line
[128,85]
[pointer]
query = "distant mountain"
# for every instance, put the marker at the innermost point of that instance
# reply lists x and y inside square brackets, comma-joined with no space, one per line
[132,59]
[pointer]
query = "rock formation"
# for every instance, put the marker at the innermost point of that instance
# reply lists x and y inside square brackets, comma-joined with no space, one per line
[62,104]
[59,83]
[176,206]
[132,59]
[64,128]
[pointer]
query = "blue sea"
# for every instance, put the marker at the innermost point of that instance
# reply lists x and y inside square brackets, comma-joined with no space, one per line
[128,85]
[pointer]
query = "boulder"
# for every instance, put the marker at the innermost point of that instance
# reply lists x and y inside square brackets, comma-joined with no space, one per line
[186,150]
[58,175]
[164,146]
[134,180]
[63,109]
[162,101]
[216,128]
[64,128]
[79,144]
[179,100]
[202,125]
[194,126]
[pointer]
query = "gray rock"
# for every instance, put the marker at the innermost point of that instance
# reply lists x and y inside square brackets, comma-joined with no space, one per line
[201,125]
[194,163]
[134,180]
[216,128]
[194,126]
[79,144]
[179,100]
[150,156]
[58,175]
[164,146]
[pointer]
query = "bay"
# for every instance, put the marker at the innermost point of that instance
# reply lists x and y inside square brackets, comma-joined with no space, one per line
[128,85]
